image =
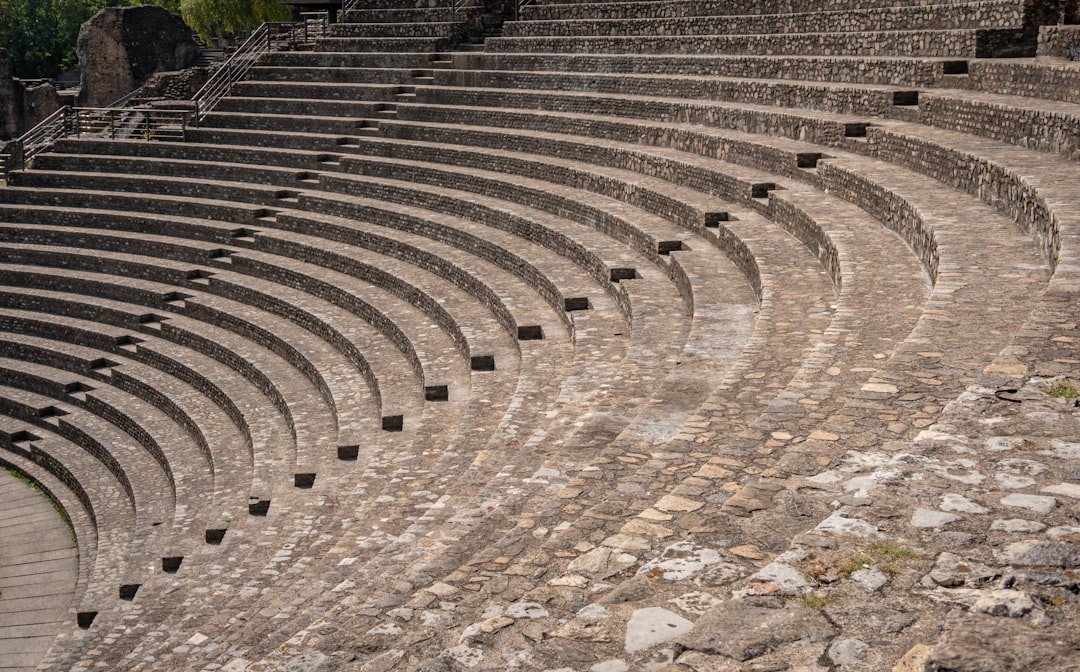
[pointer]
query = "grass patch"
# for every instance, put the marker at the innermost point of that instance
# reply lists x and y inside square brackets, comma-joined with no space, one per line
[855,564]
[816,603]
[1064,389]
[893,551]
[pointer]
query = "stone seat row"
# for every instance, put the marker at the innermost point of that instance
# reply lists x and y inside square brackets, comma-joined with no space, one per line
[1050,127]
[943,43]
[1043,78]
[614,19]
[740,7]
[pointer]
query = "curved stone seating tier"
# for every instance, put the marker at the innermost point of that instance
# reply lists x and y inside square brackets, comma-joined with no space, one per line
[1048,126]
[398,193]
[744,7]
[430,359]
[319,90]
[1045,126]
[421,290]
[587,21]
[1048,79]
[262,454]
[401,219]
[274,377]
[503,343]
[382,75]
[399,14]
[212,430]
[40,568]
[447,30]
[883,70]
[616,115]
[343,408]
[828,97]
[354,59]
[950,43]
[425,45]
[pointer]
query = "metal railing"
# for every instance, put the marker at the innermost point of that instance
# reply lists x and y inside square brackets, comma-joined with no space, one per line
[521,4]
[264,39]
[38,139]
[139,123]
[455,7]
[150,123]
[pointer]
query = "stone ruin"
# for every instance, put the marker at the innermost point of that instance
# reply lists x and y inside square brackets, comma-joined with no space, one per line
[119,48]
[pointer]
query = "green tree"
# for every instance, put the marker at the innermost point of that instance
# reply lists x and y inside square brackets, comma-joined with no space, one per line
[41,35]
[220,18]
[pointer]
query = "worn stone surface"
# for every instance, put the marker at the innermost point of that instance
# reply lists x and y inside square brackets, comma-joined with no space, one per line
[991,645]
[515,360]
[742,632]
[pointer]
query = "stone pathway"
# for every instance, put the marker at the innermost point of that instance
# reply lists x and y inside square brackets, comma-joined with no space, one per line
[38,572]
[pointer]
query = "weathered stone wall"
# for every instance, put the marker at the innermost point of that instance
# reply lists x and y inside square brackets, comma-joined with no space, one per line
[1043,130]
[1059,41]
[958,43]
[23,107]
[119,47]
[1049,81]
[868,71]
[991,14]
[10,93]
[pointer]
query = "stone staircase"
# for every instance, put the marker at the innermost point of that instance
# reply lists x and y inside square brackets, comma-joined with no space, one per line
[664,335]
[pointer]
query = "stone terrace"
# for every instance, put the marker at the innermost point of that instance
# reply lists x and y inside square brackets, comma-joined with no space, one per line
[677,335]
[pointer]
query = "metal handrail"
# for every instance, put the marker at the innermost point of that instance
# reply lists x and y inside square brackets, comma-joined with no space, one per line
[264,39]
[521,4]
[39,138]
[144,123]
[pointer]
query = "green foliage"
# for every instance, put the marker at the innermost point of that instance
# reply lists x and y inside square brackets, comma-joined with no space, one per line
[41,35]
[816,602]
[894,551]
[855,564]
[224,18]
[1063,389]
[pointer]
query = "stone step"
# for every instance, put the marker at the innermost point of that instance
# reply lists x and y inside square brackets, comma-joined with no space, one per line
[952,43]
[580,20]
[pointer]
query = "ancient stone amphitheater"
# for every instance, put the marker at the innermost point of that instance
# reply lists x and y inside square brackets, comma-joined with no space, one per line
[685,335]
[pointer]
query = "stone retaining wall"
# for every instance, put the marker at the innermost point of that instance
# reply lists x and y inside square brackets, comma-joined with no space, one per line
[1037,79]
[890,208]
[1044,130]
[958,43]
[986,14]
[1059,41]
[869,70]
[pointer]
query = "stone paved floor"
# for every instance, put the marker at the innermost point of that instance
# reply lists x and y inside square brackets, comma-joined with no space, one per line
[38,573]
